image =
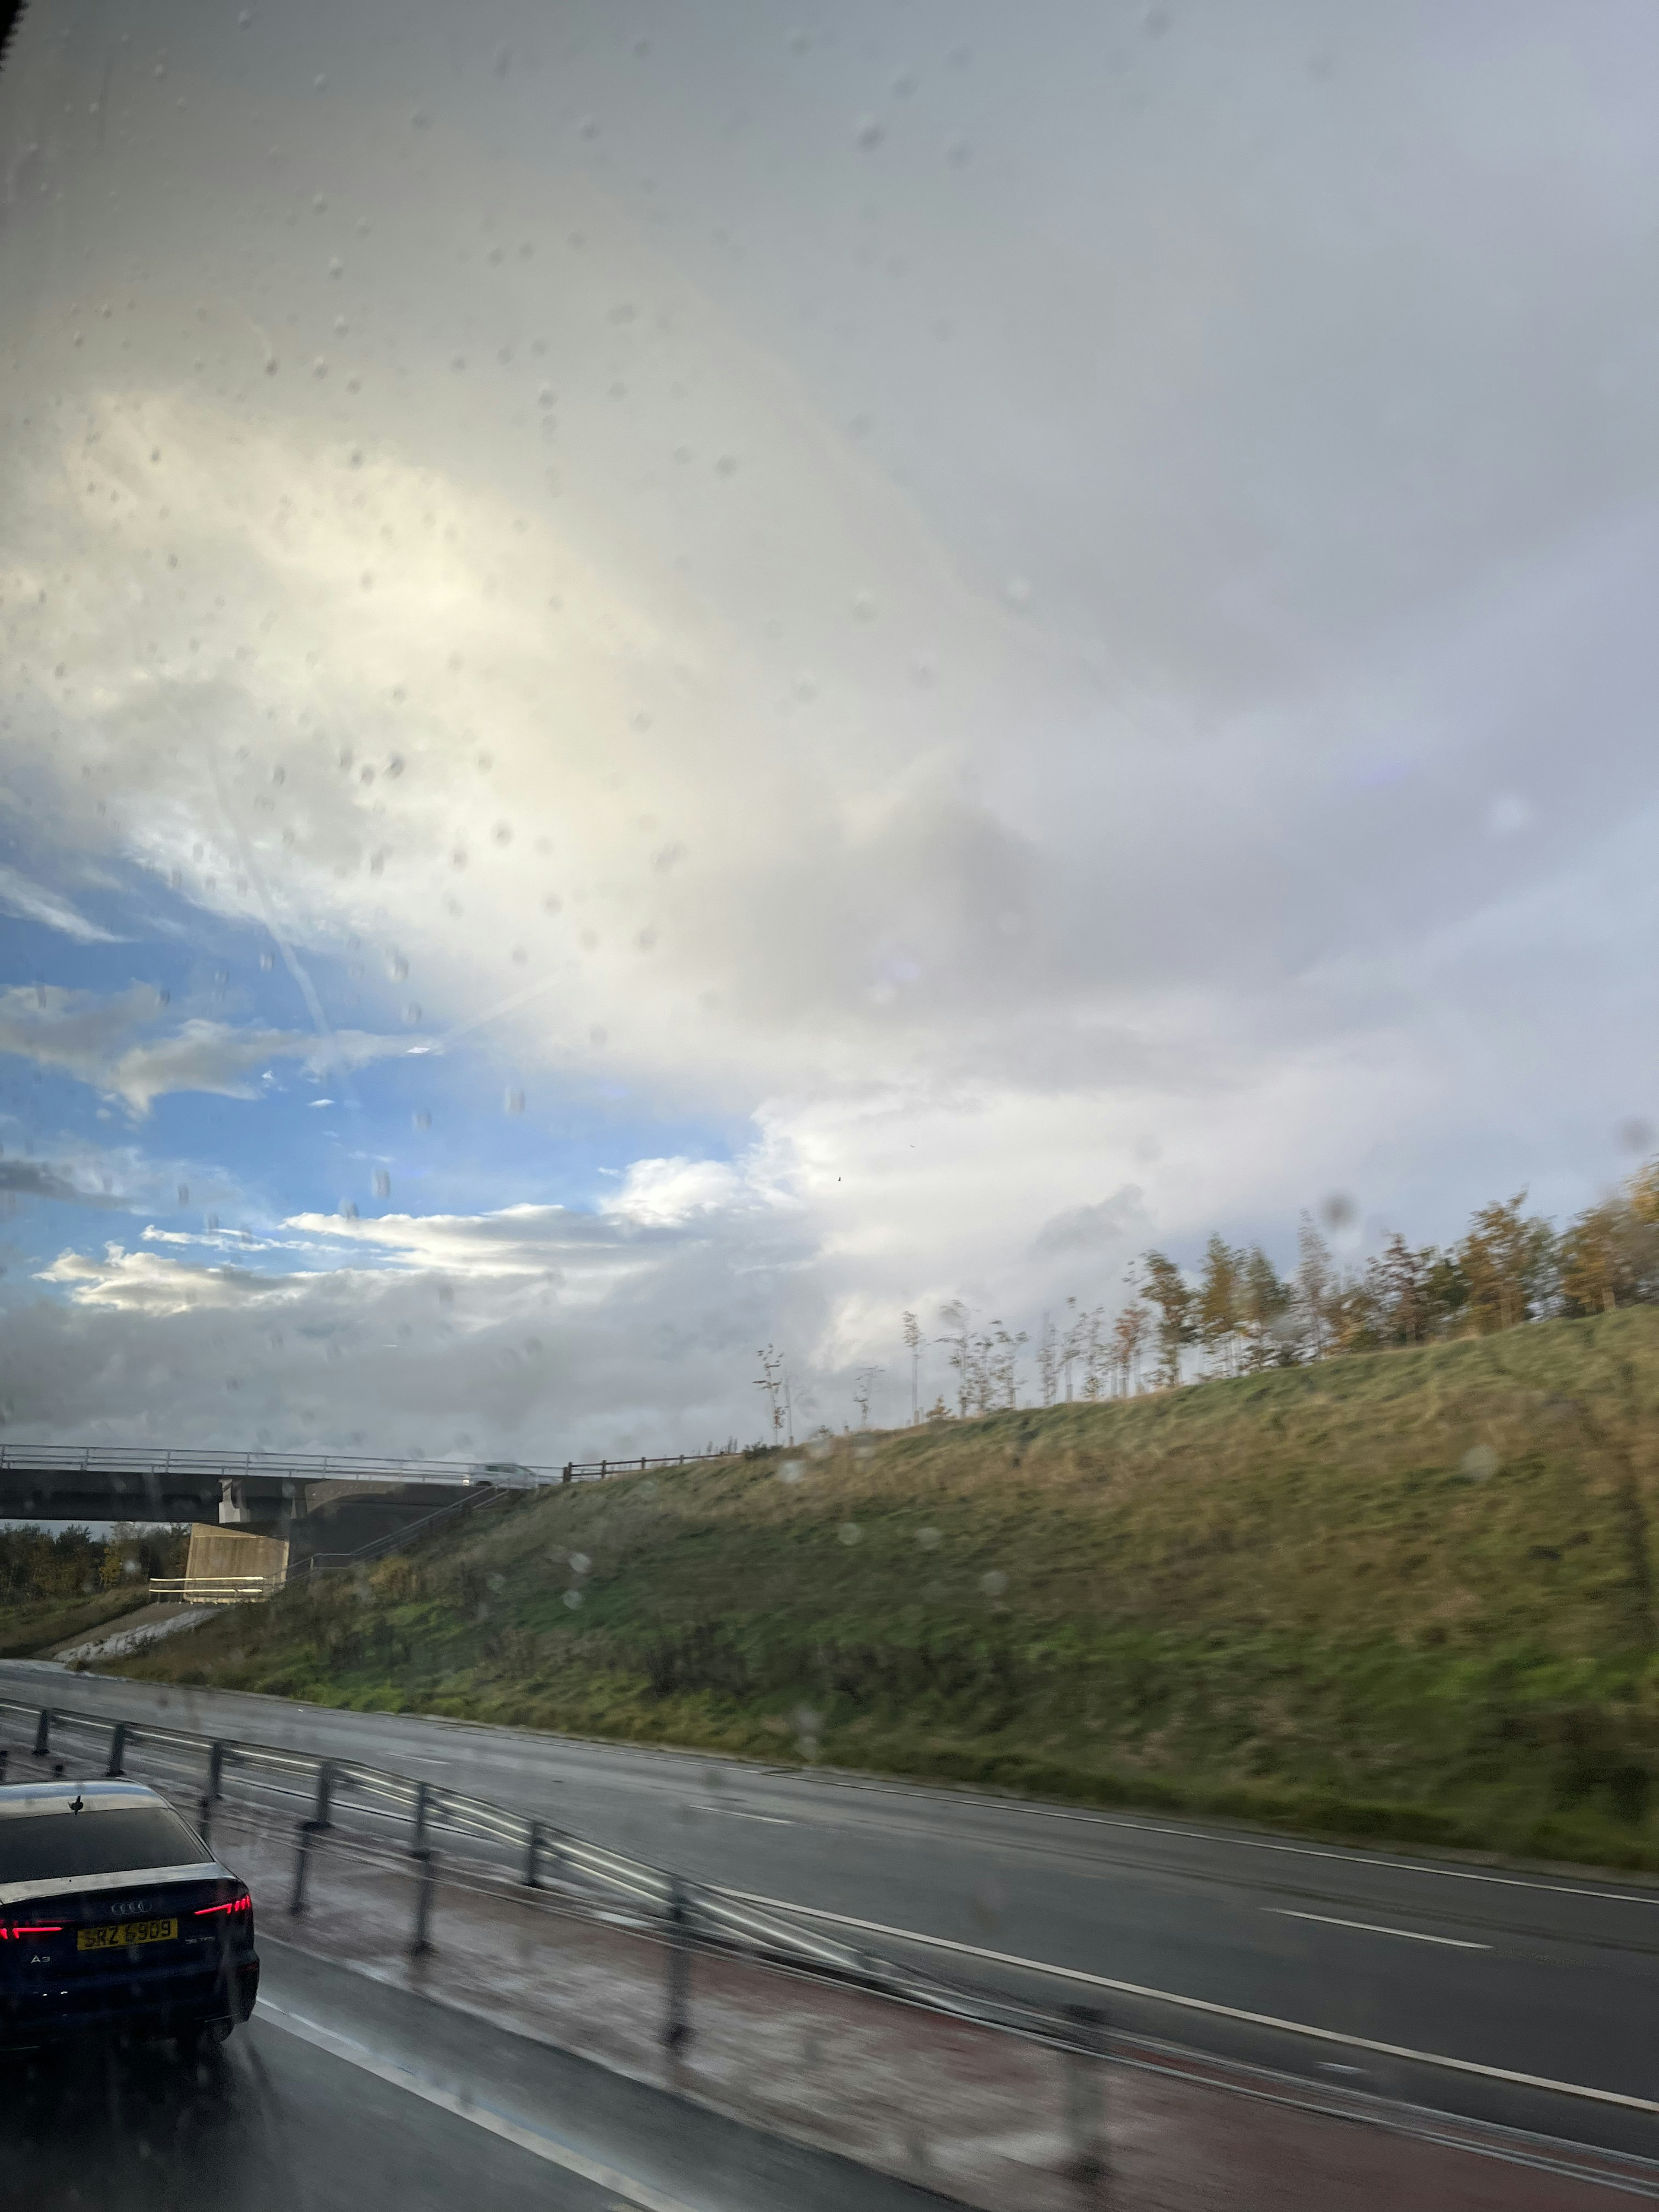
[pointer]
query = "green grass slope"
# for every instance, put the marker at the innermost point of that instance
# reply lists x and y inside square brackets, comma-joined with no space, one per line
[1410,1595]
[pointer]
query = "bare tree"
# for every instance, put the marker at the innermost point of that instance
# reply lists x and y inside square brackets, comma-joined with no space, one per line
[1002,1364]
[1314,1287]
[774,1382]
[1073,1344]
[912,1345]
[1096,1354]
[961,1355]
[1047,1362]
[863,1384]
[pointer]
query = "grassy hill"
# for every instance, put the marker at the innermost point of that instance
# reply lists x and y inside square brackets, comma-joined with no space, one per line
[30,1626]
[1411,1596]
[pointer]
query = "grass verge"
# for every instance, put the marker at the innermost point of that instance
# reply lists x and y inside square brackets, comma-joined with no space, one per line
[1406,1597]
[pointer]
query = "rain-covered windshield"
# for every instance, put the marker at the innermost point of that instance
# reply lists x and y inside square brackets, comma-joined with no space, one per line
[37,1847]
[828,1132]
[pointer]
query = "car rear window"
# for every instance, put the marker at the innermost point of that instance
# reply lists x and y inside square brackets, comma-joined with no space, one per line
[33,1847]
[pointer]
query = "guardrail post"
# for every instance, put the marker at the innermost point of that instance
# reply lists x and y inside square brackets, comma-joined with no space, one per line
[421,1792]
[205,1818]
[118,1747]
[1085,2117]
[319,1818]
[427,1860]
[3,1755]
[677,2019]
[568,1475]
[306,1838]
[215,1771]
[43,1732]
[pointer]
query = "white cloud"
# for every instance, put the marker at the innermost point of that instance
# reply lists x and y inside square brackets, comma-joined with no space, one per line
[668,1192]
[32,901]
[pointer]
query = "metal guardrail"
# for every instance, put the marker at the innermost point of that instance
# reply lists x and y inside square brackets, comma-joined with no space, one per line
[711,1918]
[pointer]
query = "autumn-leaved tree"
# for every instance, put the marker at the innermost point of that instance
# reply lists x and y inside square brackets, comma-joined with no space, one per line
[1171,1299]
[1217,1309]
[1507,1259]
[1129,1332]
[1264,1307]
[1609,1255]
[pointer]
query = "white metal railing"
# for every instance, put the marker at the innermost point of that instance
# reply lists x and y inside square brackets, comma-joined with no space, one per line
[215,1589]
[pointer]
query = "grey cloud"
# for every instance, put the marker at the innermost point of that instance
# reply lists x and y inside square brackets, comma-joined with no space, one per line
[1121,1220]
[22,1179]
[623,1339]
[87,1036]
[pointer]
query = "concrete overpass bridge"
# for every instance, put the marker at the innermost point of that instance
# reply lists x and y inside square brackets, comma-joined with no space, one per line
[312,1503]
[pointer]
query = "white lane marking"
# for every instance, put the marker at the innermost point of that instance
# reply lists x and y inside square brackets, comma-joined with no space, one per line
[736,1813]
[1205,2004]
[1375,1927]
[538,2144]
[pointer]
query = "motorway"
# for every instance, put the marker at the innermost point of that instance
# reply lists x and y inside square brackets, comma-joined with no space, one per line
[1222,1939]
[341,2094]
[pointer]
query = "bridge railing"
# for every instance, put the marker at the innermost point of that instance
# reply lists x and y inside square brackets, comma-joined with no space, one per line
[339,1467]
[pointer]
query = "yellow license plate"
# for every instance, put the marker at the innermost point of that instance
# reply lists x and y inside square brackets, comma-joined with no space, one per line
[124,1937]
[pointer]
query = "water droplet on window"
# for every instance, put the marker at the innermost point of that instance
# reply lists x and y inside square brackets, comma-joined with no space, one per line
[928,1539]
[994,1583]
[869,132]
[849,1532]
[514,1101]
[1479,1463]
[382,1183]
[792,1470]
[573,1598]
[423,1118]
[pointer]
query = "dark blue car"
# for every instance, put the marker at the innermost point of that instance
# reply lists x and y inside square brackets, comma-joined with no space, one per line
[116,1918]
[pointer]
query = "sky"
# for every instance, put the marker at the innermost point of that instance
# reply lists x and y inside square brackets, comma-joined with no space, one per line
[676,680]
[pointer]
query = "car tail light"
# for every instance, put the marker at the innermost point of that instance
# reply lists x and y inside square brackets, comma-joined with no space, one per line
[237,1905]
[17,1930]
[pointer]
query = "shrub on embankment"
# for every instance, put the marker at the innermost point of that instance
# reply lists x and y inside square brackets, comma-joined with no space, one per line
[1409,1595]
